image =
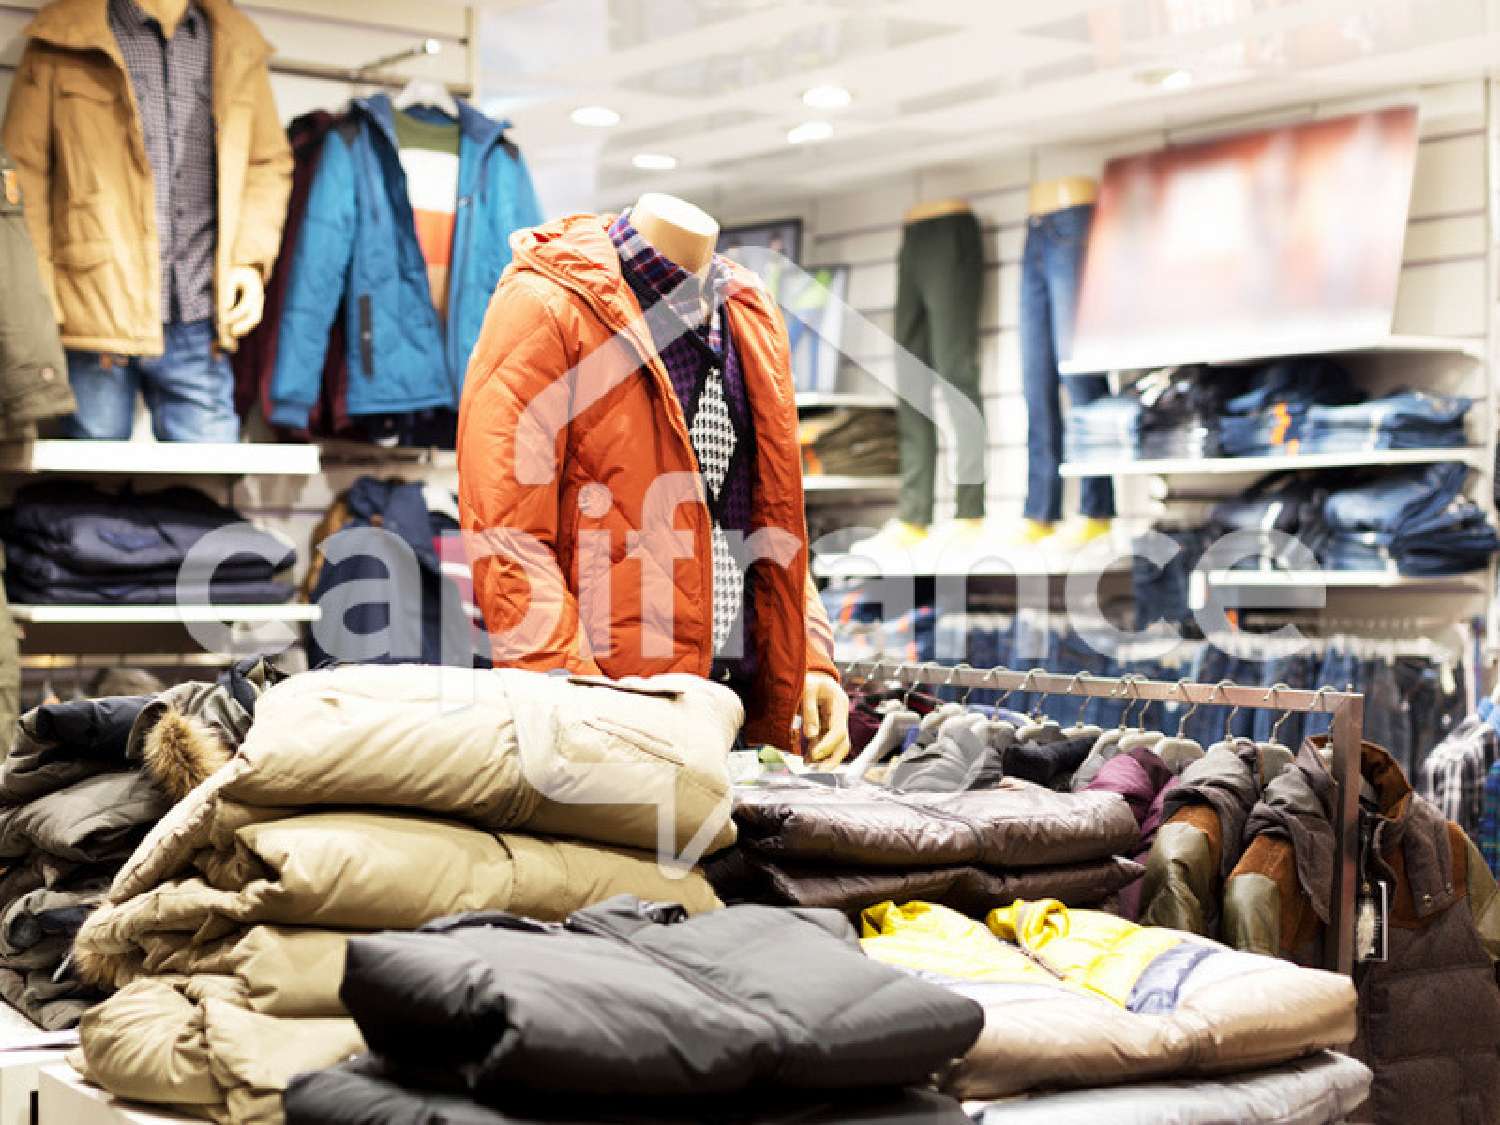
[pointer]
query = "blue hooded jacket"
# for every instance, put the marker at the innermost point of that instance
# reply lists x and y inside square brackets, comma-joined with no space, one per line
[358,243]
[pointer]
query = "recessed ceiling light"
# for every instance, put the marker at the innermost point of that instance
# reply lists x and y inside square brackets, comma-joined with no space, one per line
[654,161]
[594,116]
[808,132]
[431,46]
[826,97]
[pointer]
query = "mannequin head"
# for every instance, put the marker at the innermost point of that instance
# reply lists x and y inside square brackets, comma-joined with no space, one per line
[676,229]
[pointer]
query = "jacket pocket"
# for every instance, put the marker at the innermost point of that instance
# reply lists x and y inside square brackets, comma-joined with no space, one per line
[87,122]
[366,336]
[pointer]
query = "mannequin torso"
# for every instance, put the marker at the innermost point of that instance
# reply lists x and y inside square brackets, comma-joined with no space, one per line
[677,229]
[1057,195]
[168,13]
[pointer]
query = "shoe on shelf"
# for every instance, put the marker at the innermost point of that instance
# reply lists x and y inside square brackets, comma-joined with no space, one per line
[896,535]
[1078,534]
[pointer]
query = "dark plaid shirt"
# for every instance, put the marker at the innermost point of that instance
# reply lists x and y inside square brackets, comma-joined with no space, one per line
[689,345]
[173,84]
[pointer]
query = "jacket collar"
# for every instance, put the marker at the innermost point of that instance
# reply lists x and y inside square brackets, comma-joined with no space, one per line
[83,25]
[477,128]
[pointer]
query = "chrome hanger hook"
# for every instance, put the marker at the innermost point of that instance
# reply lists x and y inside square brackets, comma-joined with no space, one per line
[1190,712]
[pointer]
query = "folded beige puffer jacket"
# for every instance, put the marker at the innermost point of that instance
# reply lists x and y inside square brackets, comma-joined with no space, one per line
[371,798]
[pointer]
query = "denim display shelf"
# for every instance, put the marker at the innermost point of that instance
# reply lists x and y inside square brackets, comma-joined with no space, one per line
[1170,354]
[844,400]
[1259,466]
[1347,709]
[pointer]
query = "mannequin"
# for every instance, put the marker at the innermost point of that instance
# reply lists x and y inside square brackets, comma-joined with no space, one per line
[1059,215]
[680,230]
[156,260]
[940,280]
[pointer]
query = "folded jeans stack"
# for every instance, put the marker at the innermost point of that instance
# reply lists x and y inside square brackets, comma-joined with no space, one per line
[812,845]
[1180,418]
[1400,420]
[1412,522]
[1107,429]
[632,1012]
[374,797]
[71,543]
[1269,416]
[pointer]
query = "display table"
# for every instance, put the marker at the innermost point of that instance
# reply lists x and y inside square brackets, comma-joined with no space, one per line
[64,1098]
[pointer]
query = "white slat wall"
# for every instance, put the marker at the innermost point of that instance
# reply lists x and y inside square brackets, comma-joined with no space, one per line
[1443,289]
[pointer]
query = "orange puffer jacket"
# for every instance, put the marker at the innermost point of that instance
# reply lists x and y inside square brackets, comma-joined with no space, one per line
[590,537]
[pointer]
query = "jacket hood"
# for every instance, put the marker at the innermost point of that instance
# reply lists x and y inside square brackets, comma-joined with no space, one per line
[83,25]
[576,252]
[476,126]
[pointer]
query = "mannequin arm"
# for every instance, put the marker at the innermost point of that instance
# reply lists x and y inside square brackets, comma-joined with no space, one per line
[513,526]
[244,304]
[27,136]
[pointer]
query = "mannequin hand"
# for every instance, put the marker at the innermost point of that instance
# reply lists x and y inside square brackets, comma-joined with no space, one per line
[246,302]
[825,720]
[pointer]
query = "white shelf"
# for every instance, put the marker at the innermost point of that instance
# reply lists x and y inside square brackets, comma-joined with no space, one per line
[810,400]
[1343,580]
[357,454]
[161,614]
[182,458]
[959,562]
[850,484]
[1224,466]
[1165,356]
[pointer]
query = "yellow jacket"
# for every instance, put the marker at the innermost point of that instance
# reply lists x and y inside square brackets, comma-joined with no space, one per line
[90,202]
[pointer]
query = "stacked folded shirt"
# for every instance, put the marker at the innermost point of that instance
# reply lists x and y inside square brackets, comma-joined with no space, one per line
[82,785]
[67,542]
[861,443]
[633,1012]
[1168,414]
[1269,417]
[368,798]
[802,843]
[1411,522]
[1107,429]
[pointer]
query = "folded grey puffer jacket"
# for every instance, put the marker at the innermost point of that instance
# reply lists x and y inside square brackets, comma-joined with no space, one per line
[1322,1089]
[632,999]
[1015,824]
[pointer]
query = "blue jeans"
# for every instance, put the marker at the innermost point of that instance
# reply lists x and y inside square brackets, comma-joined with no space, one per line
[1051,271]
[189,390]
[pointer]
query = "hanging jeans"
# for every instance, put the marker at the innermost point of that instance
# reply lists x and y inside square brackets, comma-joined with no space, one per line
[939,280]
[189,390]
[1051,272]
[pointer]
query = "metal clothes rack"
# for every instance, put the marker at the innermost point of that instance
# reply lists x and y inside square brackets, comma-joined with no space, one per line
[1347,709]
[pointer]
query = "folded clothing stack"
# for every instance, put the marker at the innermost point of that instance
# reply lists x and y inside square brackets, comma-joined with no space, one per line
[67,542]
[1107,429]
[1270,522]
[382,797]
[634,1012]
[1400,420]
[1080,998]
[859,443]
[83,783]
[1412,522]
[807,844]
[1169,413]
[1269,416]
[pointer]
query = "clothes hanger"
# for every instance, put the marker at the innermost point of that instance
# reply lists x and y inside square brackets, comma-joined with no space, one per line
[1108,745]
[1227,741]
[424,91]
[1178,752]
[1081,729]
[1273,754]
[1040,726]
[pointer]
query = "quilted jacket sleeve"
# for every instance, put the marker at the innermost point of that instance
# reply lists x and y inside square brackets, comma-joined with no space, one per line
[511,526]
[819,634]
[320,269]
[1182,872]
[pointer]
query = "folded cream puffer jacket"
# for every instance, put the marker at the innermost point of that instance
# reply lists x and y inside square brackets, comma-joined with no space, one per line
[1083,998]
[373,798]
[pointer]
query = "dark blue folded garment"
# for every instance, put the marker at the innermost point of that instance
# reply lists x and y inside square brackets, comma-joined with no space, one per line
[124,592]
[89,531]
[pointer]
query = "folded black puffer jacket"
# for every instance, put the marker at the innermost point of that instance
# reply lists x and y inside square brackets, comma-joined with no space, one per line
[628,999]
[742,875]
[363,1092]
[1014,824]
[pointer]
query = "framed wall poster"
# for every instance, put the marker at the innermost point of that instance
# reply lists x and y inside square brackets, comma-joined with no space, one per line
[812,303]
[783,236]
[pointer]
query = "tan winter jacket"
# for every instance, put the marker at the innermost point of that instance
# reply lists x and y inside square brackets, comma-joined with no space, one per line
[90,197]
[371,798]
